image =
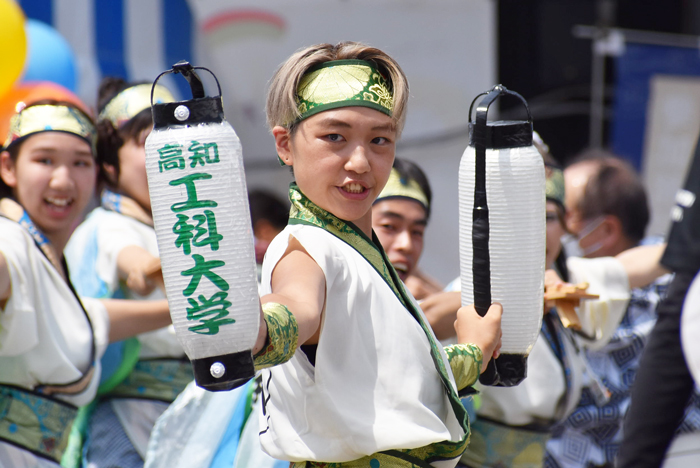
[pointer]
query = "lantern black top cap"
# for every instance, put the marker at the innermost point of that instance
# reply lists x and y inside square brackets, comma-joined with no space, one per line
[493,94]
[201,109]
[499,134]
[186,69]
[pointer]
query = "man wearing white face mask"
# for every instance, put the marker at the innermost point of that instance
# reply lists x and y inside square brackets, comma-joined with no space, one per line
[608,215]
[608,205]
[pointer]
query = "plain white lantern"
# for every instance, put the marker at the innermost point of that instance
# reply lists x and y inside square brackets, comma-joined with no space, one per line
[515,207]
[690,328]
[202,220]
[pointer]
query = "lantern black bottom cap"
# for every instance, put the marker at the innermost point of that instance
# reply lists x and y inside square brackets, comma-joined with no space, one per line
[512,367]
[238,369]
[510,370]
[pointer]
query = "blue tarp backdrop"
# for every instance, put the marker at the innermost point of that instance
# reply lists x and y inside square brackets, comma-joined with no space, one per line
[108,30]
[634,70]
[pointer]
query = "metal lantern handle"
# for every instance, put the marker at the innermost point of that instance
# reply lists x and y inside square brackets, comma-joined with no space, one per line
[188,72]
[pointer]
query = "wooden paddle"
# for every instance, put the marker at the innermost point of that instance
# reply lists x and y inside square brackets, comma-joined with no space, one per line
[566,298]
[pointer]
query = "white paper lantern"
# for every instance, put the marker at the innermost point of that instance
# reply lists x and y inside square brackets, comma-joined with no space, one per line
[514,207]
[200,210]
[690,328]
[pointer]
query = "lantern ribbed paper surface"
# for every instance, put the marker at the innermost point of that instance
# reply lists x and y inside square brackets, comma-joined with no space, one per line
[515,187]
[690,326]
[200,210]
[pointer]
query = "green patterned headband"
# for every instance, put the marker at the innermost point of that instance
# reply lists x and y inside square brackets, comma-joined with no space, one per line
[397,187]
[343,83]
[50,118]
[130,102]
[554,186]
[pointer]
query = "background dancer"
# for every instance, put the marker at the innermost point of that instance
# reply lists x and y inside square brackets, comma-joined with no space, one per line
[50,339]
[110,254]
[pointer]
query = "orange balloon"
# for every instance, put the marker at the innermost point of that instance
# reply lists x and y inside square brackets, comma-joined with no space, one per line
[29,92]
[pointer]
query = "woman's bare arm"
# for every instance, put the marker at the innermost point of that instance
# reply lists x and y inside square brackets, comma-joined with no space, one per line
[133,263]
[129,318]
[126,318]
[441,311]
[299,284]
[5,281]
[642,264]
[485,332]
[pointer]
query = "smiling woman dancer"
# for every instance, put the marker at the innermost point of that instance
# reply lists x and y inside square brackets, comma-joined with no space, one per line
[50,340]
[369,385]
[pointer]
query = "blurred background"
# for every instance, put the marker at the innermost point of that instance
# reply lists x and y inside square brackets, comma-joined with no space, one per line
[618,74]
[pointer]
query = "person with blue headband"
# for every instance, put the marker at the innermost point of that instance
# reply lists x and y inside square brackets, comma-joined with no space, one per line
[51,340]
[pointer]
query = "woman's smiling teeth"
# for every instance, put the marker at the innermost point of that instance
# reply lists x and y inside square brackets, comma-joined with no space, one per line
[59,202]
[353,188]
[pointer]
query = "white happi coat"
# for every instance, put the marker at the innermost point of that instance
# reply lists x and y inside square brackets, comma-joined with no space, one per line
[45,336]
[374,386]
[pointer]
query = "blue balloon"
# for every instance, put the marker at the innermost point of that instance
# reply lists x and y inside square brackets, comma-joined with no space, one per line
[49,56]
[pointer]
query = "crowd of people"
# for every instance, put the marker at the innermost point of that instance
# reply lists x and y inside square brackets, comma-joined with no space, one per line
[363,360]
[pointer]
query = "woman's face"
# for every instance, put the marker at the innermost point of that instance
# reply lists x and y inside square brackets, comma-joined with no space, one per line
[341,159]
[53,178]
[133,181]
[555,230]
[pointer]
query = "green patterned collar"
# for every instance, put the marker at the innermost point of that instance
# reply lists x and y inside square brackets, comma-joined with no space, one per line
[304,211]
